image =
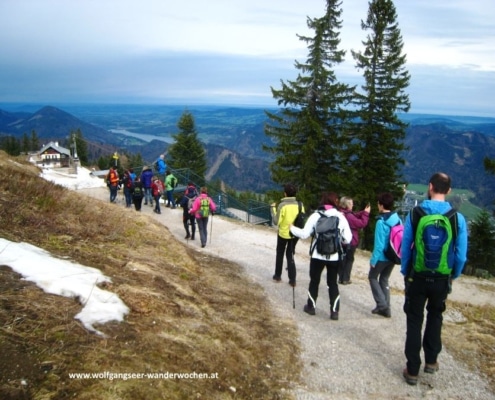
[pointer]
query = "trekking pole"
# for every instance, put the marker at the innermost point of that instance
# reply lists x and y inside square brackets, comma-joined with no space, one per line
[211,227]
[293,297]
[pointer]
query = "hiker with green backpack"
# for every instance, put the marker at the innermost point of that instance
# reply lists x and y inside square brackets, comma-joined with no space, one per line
[202,207]
[434,250]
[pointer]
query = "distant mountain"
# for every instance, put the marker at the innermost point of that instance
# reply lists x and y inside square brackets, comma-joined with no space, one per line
[233,139]
[460,154]
[51,123]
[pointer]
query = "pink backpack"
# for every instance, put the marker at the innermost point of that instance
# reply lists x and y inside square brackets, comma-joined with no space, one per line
[394,249]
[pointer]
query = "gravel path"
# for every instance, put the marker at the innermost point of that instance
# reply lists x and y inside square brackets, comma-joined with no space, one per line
[358,357]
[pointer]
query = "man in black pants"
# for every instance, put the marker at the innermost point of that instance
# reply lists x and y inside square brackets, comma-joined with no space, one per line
[429,288]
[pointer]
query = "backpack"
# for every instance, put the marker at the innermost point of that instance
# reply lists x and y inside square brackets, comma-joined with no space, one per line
[159,185]
[155,165]
[204,209]
[301,217]
[394,249]
[191,195]
[138,191]
[328,237]
[434,241]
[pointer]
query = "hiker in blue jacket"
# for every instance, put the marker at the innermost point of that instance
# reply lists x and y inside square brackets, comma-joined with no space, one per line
[161,165]
[380,266]
[146,177]
[428,288]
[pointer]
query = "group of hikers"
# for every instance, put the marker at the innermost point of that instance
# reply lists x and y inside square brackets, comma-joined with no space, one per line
[432,252]
[148,186]
[432,249]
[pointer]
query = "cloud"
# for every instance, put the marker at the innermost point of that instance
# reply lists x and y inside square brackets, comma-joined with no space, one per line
[158,51]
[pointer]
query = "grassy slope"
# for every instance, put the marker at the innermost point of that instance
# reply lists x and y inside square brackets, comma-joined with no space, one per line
[189,312]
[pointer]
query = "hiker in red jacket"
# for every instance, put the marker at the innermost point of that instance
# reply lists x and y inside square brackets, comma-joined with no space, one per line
[157,191]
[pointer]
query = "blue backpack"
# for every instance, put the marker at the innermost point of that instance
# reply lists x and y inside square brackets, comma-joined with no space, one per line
[434,241]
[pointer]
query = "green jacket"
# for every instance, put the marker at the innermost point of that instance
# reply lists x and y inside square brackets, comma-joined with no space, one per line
[285,214]
[168,181]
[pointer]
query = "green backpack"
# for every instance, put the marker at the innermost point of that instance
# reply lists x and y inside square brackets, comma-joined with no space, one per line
[434,241]
[204,209]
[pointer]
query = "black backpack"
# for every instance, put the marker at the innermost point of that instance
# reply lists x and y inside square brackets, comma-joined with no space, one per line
[301,218]
[328,237]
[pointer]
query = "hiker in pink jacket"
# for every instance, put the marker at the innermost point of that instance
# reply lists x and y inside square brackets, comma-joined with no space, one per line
[201,209]
[357,220]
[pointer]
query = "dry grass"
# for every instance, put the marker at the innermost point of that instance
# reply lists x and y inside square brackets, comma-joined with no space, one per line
[473,341]
[189,312]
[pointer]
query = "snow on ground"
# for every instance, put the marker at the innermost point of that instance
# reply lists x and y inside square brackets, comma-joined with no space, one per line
[63,277]
[83,179]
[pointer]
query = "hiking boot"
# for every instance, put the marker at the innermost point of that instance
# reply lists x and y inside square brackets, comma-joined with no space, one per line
[292,283]
[309,309]
[187,236]
[334,315]
[277,279]
[375,310]
[410,379]
[385,312]
[431,368]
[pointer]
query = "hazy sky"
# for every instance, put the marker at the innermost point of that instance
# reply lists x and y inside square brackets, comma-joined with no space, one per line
[229,51]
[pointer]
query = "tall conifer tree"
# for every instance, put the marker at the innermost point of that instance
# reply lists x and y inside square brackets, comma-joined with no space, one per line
[379,133]
[188,151]
[307,134]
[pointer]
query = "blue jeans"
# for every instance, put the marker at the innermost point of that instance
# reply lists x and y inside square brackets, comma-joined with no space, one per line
[113,193]
[170,197]
[128,197]
[157,203]
[148,196]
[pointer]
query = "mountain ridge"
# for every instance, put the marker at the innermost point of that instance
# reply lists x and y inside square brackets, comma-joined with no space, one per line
[233,138]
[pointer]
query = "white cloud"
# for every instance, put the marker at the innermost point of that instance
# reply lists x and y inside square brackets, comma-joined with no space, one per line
[157,50]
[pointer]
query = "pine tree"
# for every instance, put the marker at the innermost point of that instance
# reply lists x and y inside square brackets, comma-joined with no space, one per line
[379,133]
[81,146]
[481,251]
[188,151]
[307,134]
[35,143]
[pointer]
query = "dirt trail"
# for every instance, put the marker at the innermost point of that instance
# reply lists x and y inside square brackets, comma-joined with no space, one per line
[361,355]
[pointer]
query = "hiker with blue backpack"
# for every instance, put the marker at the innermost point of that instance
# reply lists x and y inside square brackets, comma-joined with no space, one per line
[434,251]
[381,266]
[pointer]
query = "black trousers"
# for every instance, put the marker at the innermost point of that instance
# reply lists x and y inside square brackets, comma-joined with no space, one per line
[189,219]
[316,268]
[431,292]
[346,265]
[287,247]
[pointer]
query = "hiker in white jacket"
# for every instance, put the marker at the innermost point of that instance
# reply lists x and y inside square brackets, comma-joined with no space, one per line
[318,262]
